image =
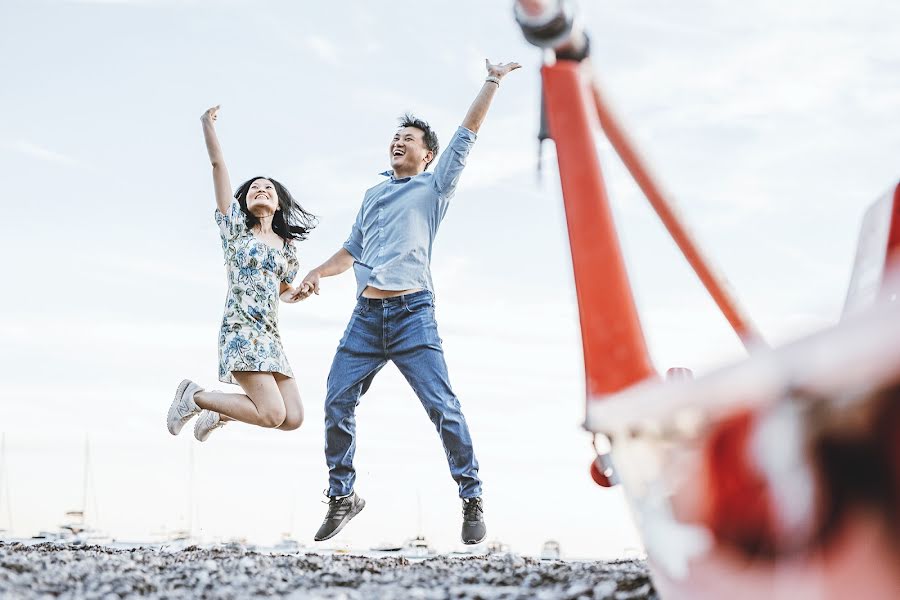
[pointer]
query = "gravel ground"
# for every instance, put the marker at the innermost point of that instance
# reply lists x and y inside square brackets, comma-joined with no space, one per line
[52,571]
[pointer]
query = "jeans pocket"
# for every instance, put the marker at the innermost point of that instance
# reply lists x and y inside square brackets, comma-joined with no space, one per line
[418,305]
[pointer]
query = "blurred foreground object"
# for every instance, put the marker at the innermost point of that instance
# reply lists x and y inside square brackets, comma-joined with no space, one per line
[776,478]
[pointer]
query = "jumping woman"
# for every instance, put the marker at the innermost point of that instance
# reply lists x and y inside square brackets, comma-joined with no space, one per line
[259,226]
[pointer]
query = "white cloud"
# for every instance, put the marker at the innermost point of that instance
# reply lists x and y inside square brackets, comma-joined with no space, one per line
[41,153]
[324,49]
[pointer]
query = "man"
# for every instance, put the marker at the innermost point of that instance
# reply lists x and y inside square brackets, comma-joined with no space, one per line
[389,249]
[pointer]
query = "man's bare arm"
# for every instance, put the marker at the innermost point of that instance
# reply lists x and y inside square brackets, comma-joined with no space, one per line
[478,110]
[337,264]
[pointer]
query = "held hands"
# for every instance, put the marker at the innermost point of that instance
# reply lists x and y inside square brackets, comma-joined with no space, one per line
[211,114]
[291,295]
[500,69]
[309,286]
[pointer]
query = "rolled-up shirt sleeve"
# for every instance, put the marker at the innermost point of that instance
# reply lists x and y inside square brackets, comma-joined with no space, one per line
[452,161]
[353,245]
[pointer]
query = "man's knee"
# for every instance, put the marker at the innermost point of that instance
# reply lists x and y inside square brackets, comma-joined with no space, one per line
[440,402]
[342,400]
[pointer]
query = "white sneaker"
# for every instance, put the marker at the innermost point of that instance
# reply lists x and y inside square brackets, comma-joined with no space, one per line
[183,407]
[207,422]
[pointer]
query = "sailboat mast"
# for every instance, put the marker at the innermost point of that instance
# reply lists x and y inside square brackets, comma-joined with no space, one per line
[419,507]
[4,482]
[84,495]
[190,512]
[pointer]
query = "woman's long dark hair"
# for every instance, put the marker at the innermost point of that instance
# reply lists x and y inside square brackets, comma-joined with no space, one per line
[291,221]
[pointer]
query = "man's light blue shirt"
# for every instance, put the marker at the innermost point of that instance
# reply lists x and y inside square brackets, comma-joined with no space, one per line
[394,231]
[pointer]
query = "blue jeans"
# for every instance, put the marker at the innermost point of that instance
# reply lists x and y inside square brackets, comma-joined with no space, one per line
[403,330]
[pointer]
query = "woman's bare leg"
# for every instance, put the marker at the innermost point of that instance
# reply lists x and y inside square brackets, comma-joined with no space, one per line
[261,404]
[292,403]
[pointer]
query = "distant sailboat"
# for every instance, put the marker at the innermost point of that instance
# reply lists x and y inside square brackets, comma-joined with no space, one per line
[80,526]
[75,530]
[417,547]
[288,543]
[178,539]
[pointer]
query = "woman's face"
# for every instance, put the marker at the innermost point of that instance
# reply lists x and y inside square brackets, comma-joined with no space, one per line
[262,199]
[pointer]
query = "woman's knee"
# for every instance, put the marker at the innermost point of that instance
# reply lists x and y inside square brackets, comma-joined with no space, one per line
[292,422]
[272,416]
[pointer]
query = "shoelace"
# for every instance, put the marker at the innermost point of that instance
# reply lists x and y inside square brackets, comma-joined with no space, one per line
[472,510]
[335,504]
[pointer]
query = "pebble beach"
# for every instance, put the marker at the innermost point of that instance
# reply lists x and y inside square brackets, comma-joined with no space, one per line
[46,571]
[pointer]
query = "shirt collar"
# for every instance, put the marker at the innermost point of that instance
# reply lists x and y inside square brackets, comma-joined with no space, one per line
[391,175]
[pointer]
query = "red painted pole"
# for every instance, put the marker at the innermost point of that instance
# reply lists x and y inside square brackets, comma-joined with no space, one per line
[714,284]
[615,353]
[892,259]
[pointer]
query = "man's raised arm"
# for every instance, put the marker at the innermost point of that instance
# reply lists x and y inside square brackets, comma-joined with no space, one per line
[453,158]
[478,110]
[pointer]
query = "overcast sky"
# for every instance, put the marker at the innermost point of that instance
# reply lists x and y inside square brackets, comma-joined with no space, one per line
[770,122]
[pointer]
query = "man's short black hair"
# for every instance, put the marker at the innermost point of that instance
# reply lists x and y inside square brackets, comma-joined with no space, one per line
[430,137]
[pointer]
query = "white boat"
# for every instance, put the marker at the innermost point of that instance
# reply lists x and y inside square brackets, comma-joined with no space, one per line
[287,545]
[470,550]
[551,551]
[174,541]
[387,547]
[417,547]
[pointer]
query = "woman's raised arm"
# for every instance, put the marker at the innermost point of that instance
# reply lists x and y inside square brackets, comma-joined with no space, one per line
[221,182]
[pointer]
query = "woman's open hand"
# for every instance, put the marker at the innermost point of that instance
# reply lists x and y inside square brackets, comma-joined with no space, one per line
[211,114]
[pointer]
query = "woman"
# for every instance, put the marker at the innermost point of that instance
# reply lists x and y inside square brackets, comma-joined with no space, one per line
[259,226]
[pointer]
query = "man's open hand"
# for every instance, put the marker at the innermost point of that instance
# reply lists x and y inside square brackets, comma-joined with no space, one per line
[500,69]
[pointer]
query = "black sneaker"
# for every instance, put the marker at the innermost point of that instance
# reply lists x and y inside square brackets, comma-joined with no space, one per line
[340,511]
[473,528]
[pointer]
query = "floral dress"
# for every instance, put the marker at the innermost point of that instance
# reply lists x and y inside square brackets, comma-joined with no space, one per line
[249,338]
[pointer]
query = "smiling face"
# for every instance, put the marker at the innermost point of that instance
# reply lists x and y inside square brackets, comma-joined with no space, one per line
[408,153]
[262,198]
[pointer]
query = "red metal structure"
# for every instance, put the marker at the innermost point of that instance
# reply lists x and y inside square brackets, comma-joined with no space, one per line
[778,477]
[713,283]
[615,353]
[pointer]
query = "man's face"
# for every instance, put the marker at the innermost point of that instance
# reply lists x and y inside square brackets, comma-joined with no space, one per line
[408,152]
